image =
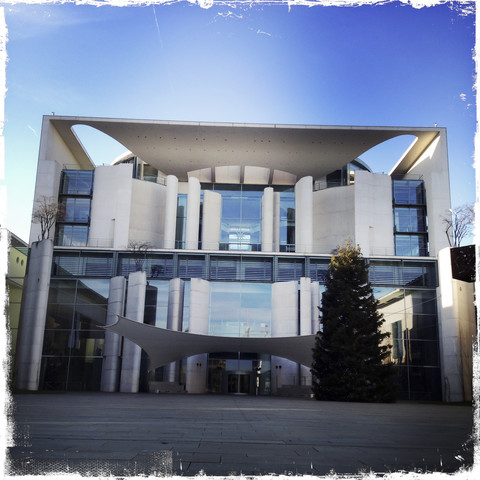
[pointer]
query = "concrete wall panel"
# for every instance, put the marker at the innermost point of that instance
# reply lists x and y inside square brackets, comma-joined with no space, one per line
[193,214]
[111,204]
[304,215]
[267,220]
[212,215]
[33,316]
[132,353]
[170,212]
[111,348]
[147,213]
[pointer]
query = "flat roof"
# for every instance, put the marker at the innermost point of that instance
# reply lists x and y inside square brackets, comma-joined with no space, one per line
[179,147]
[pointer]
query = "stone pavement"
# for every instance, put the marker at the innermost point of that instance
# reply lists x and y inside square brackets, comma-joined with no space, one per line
[147,434]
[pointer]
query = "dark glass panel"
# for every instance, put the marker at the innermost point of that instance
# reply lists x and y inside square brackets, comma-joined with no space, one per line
[62,291]
[425,384]
[85,373]
[56,342]
[53,373]
[90,316]
[59,316]
[93,291]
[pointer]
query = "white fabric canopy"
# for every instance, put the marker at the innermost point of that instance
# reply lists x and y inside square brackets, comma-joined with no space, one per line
[164,346]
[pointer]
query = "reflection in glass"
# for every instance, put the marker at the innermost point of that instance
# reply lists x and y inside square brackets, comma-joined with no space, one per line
[240,309]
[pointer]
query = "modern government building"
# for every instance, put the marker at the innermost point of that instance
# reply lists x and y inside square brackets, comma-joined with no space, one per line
[196,261]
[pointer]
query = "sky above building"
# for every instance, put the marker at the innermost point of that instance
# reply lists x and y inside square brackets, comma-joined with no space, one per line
[386,65]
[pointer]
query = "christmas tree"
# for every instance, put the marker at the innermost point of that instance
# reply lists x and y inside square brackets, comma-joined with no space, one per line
[350,355]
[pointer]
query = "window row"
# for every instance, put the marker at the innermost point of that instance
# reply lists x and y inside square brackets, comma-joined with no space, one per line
[215,267]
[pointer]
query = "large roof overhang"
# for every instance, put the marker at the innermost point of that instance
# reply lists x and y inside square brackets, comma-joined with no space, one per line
[179,147]
[164,346]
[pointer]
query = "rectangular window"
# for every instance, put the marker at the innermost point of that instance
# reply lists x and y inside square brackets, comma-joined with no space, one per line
[410,218]
[71,235]
[191,267]
[290,269]
[77,182]
[76,209]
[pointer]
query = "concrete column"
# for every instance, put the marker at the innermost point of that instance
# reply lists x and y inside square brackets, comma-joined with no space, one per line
[174,321]
[33,316]
[315,304]
[449,331]
[305,324]
[305,306]
[196,374]
[267,219]
[304,215]
[132,353]
[170,212]
[212,215]
[284,324]
[284,309]
[111,348]
[193,214]
[276,222]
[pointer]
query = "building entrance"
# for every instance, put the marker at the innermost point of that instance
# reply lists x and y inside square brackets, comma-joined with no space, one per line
[238,373]
[238,383]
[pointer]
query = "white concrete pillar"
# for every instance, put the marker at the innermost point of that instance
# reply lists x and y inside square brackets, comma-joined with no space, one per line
[315,304]
[196,371]
[212,215]
[111,347]
[305,323]
[284,324]
[305,306]
[449,331]
[132,353]
[174,321]
[276,222]
[304,215]
[33,315]
[193,214]
[267,219]
[170,212]
[284,309]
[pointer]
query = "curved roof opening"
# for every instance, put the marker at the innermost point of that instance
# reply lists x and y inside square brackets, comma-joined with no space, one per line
[100,147]
[382,156]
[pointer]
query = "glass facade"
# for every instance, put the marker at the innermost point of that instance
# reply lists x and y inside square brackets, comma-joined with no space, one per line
[411,319]
[240,305]
[410,218]
[73,341]
[76,187]
[241,221]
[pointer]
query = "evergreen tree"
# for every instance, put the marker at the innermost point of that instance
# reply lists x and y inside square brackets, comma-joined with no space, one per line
[349,359]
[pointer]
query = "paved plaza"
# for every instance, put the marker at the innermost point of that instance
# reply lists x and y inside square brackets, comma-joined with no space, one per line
[147,434]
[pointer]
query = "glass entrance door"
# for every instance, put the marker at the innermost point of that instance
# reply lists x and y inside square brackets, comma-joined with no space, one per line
[238,383]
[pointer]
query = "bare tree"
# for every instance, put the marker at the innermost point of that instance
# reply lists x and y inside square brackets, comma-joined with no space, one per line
[459,224]
[46,213]
[140,250]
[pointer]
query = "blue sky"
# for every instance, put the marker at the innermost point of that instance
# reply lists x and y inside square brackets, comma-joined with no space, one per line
[372,65]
